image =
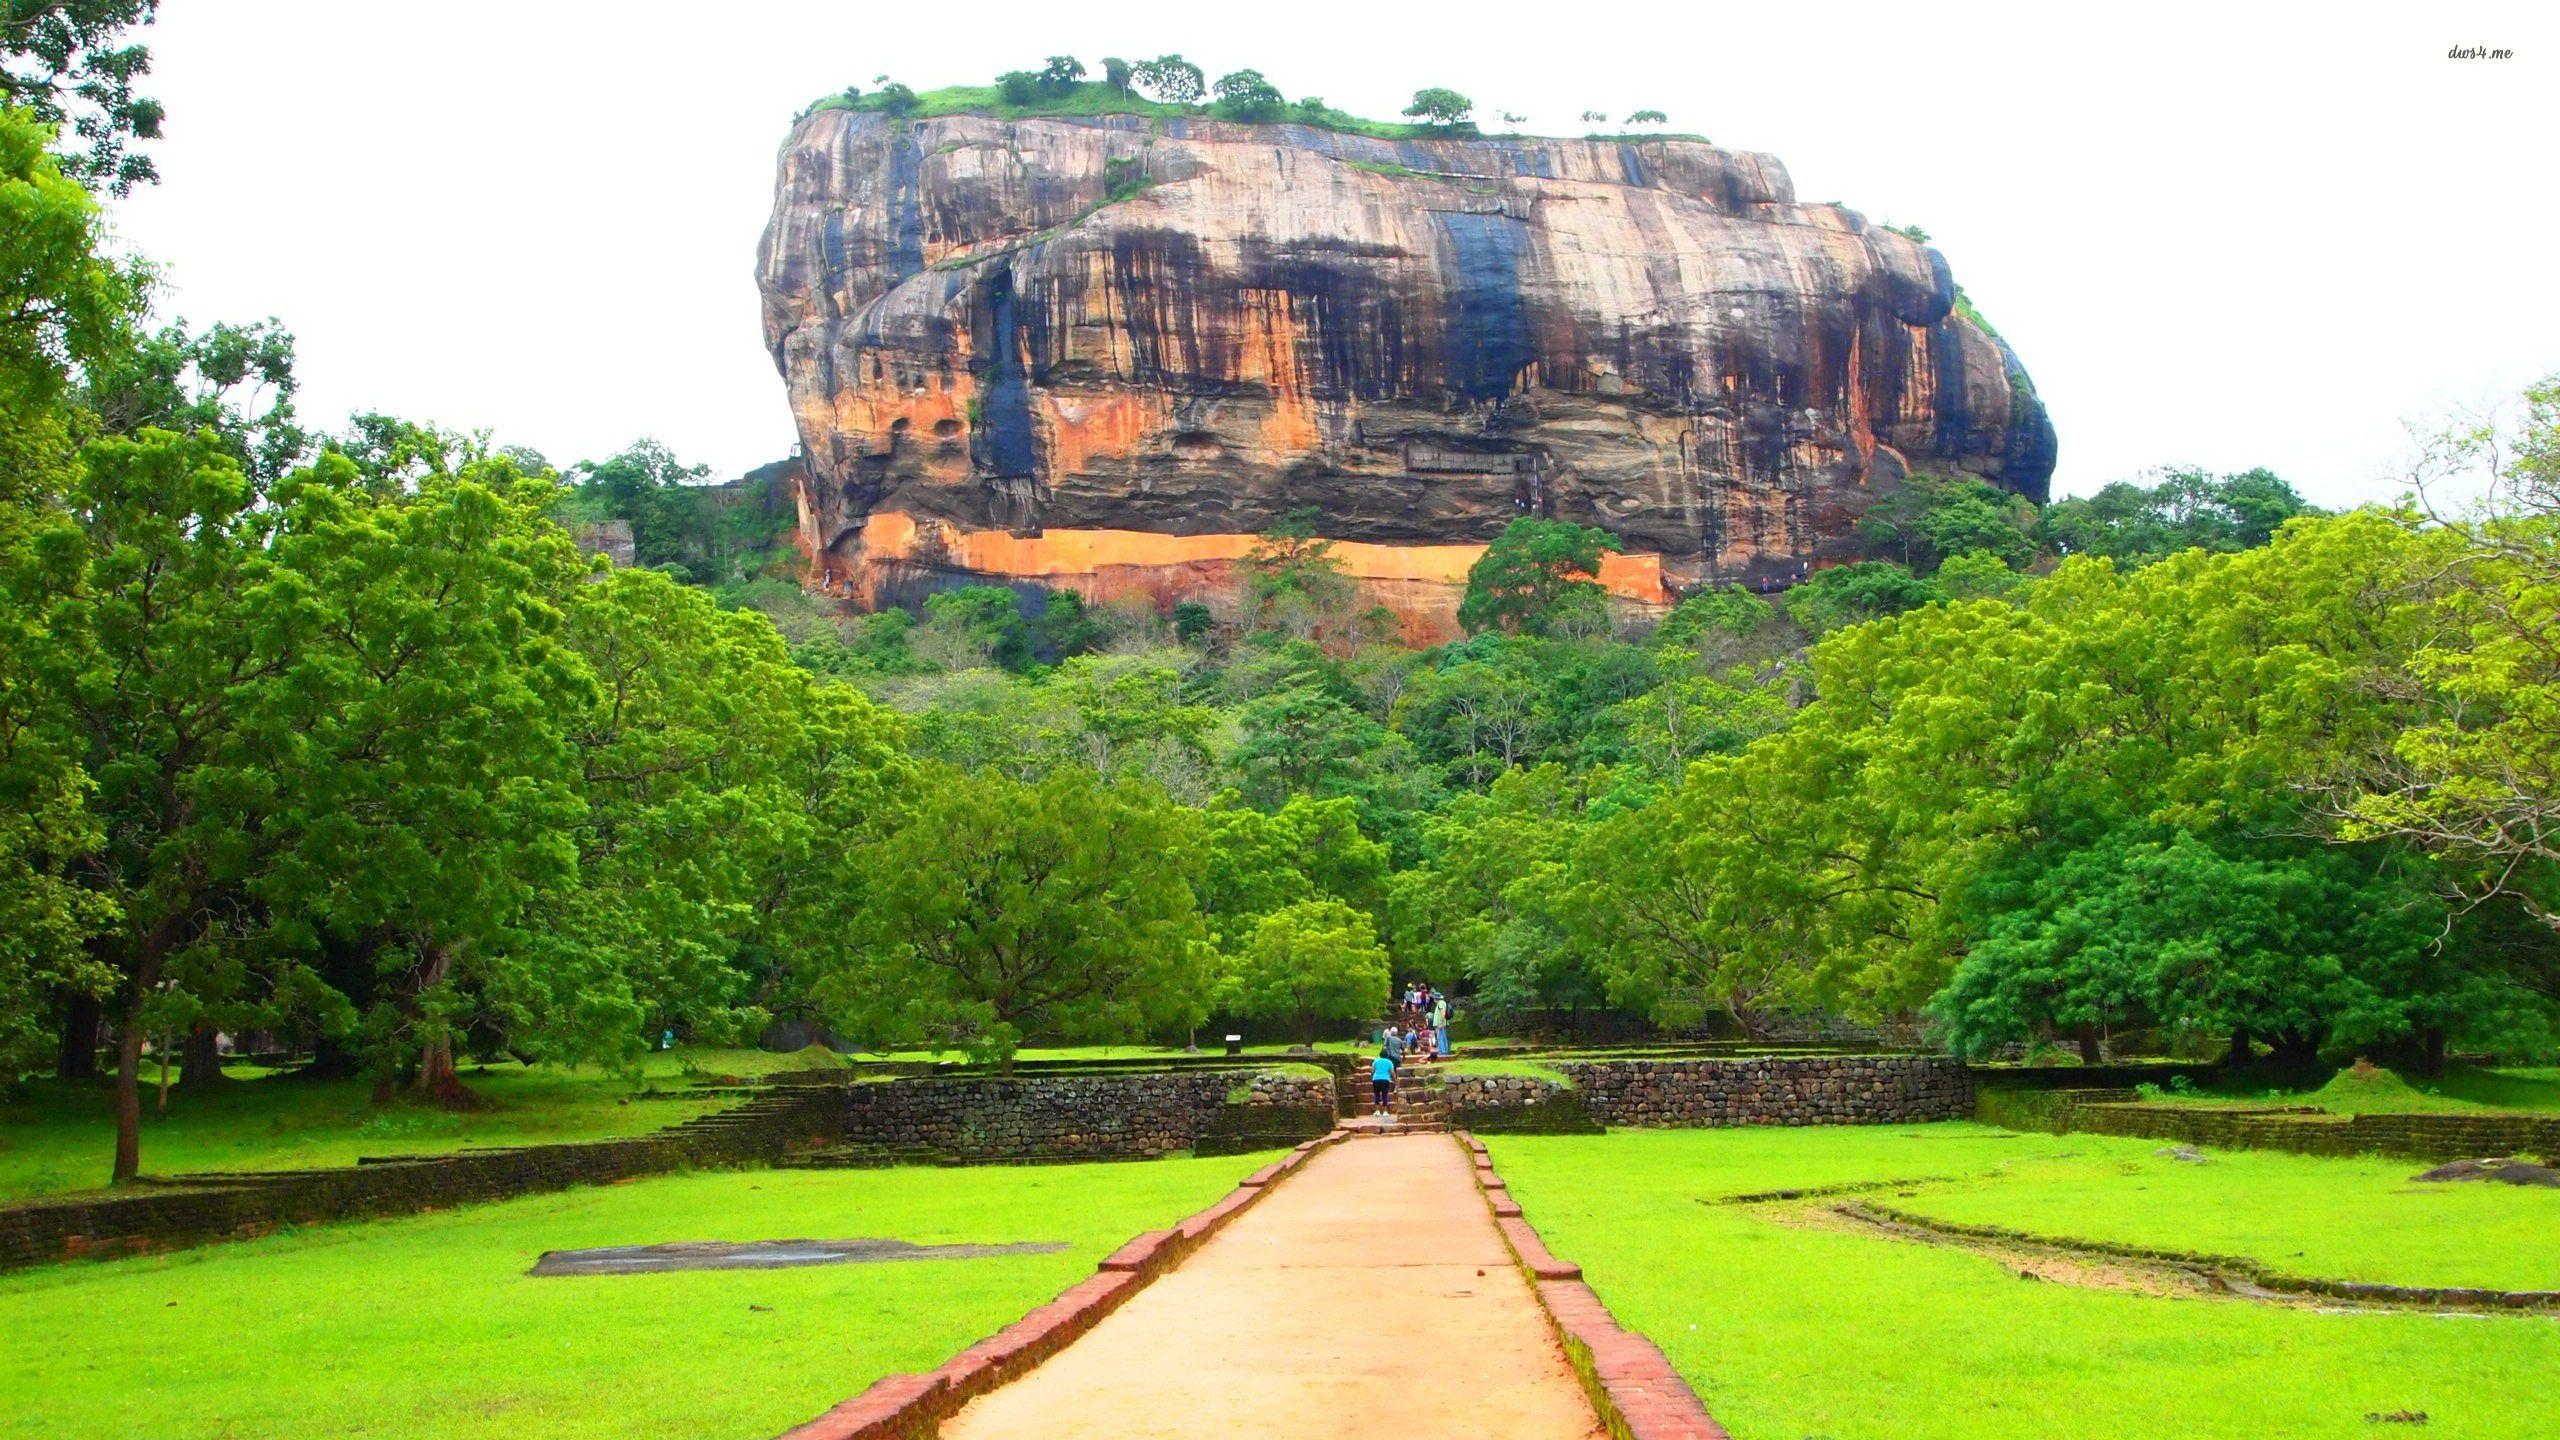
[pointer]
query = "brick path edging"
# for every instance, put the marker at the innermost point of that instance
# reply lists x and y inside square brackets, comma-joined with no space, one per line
[911,1407]
[1638,1394]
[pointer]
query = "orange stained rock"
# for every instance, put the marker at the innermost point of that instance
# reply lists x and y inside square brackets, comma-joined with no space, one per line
[1272,355]
[1087,426]
[893,535]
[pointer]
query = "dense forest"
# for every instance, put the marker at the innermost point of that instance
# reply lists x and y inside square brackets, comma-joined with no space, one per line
[341,737]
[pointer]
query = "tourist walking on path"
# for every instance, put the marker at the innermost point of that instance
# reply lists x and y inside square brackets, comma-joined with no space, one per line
[1382,1081]
[1440,1023]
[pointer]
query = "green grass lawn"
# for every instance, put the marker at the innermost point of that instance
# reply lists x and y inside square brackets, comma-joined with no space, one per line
[429,1327]
[56,1137]
[1792,1332]
[2339,1219]
[1529,1068]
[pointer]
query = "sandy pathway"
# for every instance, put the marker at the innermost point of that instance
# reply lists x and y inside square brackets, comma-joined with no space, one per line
[1368,1295]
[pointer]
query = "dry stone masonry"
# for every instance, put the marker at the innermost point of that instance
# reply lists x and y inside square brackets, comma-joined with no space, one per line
[1138,1116]
[1825,1090]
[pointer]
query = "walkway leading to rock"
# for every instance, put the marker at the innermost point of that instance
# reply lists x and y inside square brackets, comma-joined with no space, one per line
[1368,1295]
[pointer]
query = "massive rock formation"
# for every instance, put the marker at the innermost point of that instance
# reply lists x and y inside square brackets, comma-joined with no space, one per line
[1106,352]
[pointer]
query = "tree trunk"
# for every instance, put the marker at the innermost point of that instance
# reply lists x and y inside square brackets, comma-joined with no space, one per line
[2090,1053]
[129,1093]
[2239,1053]
[2432,1063]
[201,1059]
[2296,1050]
[331,1060]
[153,951]
[437,1082]
[77,1059]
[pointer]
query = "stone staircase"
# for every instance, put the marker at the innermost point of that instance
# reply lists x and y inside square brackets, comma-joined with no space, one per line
[1420,1101]
[861,1156]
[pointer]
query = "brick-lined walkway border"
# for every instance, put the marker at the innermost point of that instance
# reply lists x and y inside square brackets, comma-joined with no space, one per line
[909,1407]
[1638,1394]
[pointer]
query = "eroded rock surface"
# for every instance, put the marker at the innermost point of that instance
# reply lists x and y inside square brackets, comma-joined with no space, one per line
[1105,352]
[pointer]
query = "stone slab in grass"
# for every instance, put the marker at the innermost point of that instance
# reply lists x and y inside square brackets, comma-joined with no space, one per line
[763,1255]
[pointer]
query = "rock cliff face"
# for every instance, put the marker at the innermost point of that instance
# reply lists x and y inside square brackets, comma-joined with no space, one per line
[1105,353]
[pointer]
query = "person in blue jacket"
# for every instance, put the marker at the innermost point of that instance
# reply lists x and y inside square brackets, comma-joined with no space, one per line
[1382,1080]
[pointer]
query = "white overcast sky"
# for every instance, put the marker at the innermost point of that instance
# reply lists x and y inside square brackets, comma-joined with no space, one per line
[2223,234]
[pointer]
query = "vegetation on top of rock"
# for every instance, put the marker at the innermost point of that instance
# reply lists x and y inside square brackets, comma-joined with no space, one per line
[1170,87]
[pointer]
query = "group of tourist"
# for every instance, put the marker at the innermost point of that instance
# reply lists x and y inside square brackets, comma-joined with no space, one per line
[1418,1031]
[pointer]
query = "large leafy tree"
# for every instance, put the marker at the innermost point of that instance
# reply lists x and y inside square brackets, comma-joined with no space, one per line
[235,380]
[173,642]
[435,789]
[1262,861]
[2475,777]
[1535,575]
[65,62]
[61,305]
[721,785]
[2299,943]
[1931,518]
[1484,904]
[1709,901]
[1001,912]
[1307,963]
[2183,508]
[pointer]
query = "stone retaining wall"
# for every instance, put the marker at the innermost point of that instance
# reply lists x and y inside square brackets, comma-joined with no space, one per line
[2433,1138]
[1137,1116]
[201,1209]
[1810,1090]
[1516,1105]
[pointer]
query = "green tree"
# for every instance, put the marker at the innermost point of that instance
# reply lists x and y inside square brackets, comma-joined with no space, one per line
[2301,944]
[975,625]
[235,380]
[1292,581]
[1245,95]
[436,792]
[1059,74]
[61,305]
[1304,739]
[1259,861]
[1703,902]
[649,487]
[181,631]
[1843,595]
[1117,74]
[1171,79]
[2473,776]
[1482,904]
[1003,912]
[1437,106]
[64,63]
[2183,509]
[1307,963]
[1648,117]
[1930,517]
[1531,574]
[719,782]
